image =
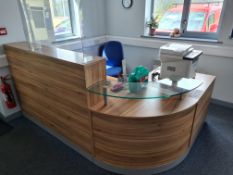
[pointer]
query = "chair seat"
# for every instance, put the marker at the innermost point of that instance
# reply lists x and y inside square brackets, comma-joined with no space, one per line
[113,71]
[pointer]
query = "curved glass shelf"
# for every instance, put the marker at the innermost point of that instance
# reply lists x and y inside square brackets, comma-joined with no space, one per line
[164,88]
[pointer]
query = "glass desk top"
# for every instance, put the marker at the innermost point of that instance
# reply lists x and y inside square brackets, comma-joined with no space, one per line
[164,88]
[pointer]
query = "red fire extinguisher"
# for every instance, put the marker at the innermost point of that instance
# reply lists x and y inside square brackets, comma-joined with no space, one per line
[7,92]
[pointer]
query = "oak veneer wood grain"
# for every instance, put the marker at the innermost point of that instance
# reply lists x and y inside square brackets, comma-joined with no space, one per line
[62,125]
[149,133]
[52,86]
[201,113]
[151,142]
[93,73]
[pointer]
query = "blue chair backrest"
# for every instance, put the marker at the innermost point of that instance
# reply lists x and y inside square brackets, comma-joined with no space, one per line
[113,52]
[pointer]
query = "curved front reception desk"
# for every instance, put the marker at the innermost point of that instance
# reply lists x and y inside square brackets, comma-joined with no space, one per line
[149,135]
[124,135]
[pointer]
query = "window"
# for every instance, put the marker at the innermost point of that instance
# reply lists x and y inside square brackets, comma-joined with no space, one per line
[61,17]
[168,13]
[51,19]
[194,18]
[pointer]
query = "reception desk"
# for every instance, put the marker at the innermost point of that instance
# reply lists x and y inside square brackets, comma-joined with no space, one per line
[128,136]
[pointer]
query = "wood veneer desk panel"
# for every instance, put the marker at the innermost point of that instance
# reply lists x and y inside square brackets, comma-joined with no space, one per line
[51,84]
[150,133]
[126,134]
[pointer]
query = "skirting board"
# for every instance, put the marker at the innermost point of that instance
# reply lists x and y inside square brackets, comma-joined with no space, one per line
[3,61]
[104,165]
[11,117]
[222,103]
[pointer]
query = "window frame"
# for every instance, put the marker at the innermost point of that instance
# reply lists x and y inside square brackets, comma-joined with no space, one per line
[184,22]
[49,37]
[72,22]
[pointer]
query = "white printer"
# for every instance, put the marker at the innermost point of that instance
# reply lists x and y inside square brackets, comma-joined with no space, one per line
[178,61]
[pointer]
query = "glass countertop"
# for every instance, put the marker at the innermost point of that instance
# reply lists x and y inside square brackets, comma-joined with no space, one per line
[164,88]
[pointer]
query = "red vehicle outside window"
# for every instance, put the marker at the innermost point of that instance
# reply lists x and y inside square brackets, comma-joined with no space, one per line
[202,18]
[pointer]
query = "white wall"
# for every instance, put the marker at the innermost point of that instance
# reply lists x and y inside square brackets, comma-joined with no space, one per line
[11,19]
[125,22]
[94,23]
[94,12]
[130,23]
[222,68]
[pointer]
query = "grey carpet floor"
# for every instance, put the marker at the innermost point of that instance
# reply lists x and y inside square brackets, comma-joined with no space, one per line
[28,150]
[4,127]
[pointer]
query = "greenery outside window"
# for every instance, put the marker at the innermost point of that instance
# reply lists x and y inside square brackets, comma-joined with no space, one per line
[193,18]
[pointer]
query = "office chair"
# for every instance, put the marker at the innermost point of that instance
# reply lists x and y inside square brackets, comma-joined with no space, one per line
[113,53]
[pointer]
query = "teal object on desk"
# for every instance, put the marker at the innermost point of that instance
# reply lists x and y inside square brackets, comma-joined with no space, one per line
[139,74]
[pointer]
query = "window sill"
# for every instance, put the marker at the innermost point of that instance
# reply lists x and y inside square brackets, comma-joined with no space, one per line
[182,39]
[70,38]
[209,48]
